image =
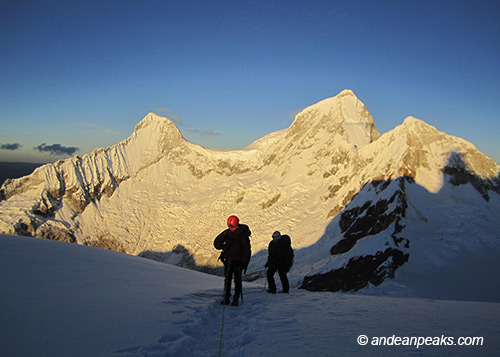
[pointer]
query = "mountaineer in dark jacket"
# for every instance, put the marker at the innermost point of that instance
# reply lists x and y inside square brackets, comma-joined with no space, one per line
[236,252]
[280,259]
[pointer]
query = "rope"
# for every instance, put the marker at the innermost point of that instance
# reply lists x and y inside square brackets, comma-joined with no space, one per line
[222,330]
[226,272]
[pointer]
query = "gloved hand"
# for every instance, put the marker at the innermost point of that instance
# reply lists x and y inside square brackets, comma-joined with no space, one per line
[267,265]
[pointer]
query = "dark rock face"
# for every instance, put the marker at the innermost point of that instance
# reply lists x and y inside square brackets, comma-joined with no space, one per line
[358,272]
[360,222]
[461,176]
[371,219]
[458,173]
[34,227]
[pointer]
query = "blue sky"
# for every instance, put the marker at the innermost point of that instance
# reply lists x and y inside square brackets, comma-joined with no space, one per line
[78,75]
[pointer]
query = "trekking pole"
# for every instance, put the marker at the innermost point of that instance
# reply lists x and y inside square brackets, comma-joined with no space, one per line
[241,293]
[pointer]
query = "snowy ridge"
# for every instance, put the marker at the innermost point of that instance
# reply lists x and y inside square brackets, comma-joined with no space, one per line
[90,177]
[326,181]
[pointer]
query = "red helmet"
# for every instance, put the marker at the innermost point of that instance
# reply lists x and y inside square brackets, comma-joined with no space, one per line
[232,221]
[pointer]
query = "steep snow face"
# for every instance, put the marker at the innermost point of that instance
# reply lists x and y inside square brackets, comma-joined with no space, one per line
[32,202]
[88,178]
[157,195]
[344,115]
[341,121]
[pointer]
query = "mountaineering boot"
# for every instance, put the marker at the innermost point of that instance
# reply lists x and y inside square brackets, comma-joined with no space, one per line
[226,301]
[235,302]
[271,291]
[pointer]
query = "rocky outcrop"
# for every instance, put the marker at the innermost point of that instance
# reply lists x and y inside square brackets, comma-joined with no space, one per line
[458,174]
[358,272]
[383,216]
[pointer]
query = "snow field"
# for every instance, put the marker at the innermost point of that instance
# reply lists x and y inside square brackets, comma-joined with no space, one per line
[61,299]
[318,324]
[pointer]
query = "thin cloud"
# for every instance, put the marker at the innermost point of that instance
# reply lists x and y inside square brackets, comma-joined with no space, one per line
[294,114]
[171,114]
[203,133]
[211,133]
[11,147]
[194,131]
[56,149]
[99,127]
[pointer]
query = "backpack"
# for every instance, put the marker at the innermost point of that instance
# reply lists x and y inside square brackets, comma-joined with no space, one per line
[287,250]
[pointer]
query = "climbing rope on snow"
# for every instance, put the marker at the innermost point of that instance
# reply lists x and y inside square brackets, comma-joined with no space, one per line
[222,330]
[226,271]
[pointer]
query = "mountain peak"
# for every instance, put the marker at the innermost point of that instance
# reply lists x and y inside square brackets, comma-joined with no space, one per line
[347,92]
[343,114]
[154,119]
[158,131]
[418,124]
[325,106]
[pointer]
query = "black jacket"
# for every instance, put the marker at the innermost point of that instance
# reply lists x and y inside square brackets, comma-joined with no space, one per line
[235,245]
[280,253]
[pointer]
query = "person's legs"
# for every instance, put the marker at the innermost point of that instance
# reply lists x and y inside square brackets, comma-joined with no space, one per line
[270,279]
[238,285]
[284,279]
[228,277]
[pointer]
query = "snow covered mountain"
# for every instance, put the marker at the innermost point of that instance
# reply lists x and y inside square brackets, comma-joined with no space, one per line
[359,207]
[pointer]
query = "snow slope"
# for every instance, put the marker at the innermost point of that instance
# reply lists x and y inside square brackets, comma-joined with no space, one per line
[62,299]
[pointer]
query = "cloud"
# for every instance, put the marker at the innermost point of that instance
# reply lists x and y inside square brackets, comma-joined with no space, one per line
[294,114]
[99,127]
[211,133]
[56,149]
[195,131]
[171,114]
[203,133]
[11,147]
